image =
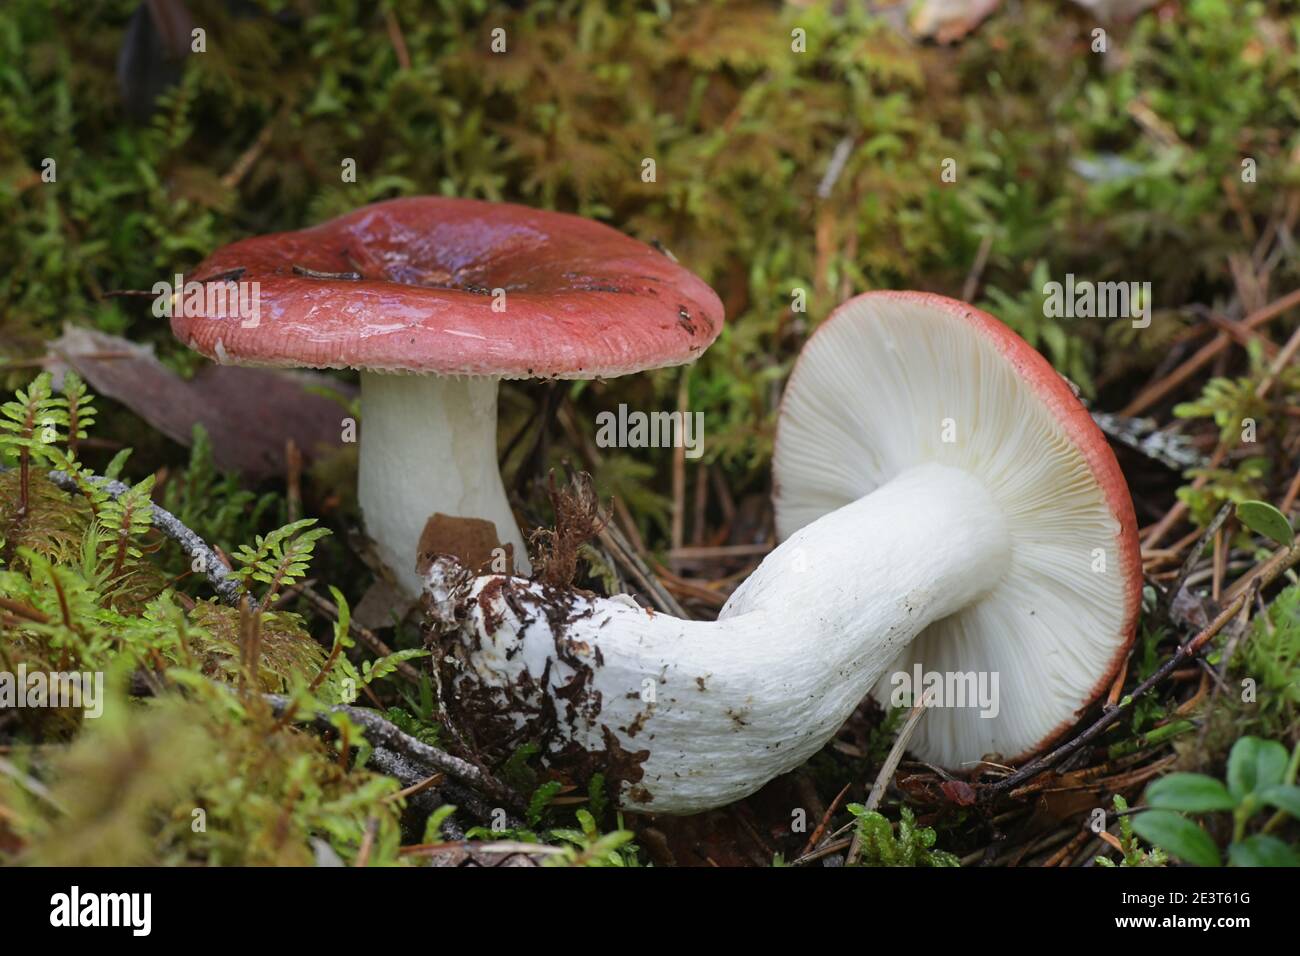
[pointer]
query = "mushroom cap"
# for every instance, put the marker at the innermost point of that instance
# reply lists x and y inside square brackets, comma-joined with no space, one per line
[868,398]
[581,300]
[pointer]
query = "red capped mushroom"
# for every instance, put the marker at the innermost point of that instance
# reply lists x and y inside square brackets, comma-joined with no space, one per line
[435,300]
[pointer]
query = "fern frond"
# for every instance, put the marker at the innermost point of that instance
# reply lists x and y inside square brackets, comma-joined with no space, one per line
[280,558]
[124,519]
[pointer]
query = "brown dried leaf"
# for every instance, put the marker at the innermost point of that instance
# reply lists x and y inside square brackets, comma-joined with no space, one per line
[249,413]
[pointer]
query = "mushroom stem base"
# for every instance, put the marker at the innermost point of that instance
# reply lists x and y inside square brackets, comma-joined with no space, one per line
[428,445]
[687,715]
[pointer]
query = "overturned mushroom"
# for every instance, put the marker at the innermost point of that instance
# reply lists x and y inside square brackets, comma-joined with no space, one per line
[436,300]
[943,499]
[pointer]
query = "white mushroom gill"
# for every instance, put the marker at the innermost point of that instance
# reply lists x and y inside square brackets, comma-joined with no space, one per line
[428,445]
[890,383]
[704,713]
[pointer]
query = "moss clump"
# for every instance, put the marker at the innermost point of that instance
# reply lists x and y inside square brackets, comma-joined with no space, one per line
[208,780]
[910,846]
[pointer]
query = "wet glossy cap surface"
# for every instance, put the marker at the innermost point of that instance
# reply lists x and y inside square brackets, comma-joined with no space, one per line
[408,285]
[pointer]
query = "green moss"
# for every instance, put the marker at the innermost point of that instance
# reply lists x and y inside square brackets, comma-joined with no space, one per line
[181,781]
[1117,167]
[910,846]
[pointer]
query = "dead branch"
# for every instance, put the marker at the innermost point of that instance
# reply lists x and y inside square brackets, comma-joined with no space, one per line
[382,733]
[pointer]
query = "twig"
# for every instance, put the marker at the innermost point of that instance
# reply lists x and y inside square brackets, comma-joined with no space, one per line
[316,274]
[1292,490]
[1218,567]
[293,480]
[623,552]
[824,851]
[887,769]
[1117,686]
[720,552]
[30,784]
[835,168]
[972,283]
[1059,857]
[428,783]
[425,801]
[1234,638]
[384,733]
[1158,390]
[397,39]
[367,842]
[826,819]
[249,156]
[1280,362]
[678,522]
[681,587]
[1242,336]
[701,505]
[227,587]
[1170,595]
[1282,359]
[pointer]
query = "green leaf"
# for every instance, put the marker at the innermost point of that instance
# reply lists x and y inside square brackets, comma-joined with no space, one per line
[388,664]
[1284,797]
[1262,518]
[1261,850]
[1190,792]
[596,798]
[541,799]
[1178,836]
[280,557]
[433,826]
[342,627]
[1255,764]
[114,469]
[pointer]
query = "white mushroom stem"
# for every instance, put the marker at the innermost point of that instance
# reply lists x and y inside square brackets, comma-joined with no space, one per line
[428,445]
[707,712]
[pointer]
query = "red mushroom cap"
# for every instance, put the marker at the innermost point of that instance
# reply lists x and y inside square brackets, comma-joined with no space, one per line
[581,299]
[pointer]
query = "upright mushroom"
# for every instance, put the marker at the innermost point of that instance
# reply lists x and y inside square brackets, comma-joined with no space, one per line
[942,498]
[435,300]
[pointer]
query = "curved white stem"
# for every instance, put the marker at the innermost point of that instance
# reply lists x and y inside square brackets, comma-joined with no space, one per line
[695,714]
[429,444]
